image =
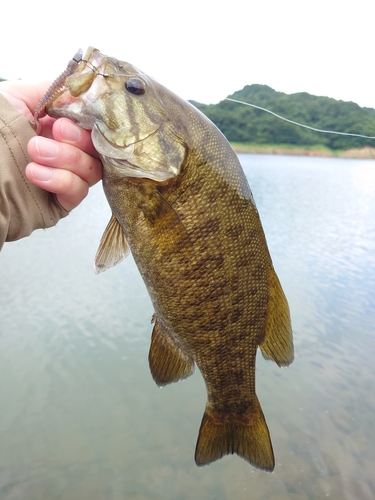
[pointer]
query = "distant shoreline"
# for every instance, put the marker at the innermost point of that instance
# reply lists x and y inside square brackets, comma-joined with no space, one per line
[365,153]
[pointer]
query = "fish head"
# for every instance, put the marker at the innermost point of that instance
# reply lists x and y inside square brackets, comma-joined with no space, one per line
[132,129]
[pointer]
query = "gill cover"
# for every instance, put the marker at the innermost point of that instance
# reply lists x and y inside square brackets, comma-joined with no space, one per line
[157,156]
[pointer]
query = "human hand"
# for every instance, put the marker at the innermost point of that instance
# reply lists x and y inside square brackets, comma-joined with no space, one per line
[65,161]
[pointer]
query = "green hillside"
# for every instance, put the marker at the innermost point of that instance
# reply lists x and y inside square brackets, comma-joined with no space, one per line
[243,124]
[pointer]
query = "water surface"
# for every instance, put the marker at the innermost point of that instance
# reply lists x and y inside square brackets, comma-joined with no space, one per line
[81,418]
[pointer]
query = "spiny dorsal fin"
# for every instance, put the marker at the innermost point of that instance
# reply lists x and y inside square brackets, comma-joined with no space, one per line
[168,362]
[112,247]
[278,341]
[248,437]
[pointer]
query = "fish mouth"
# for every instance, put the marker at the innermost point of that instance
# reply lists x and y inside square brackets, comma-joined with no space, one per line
[67,106]
[72,100]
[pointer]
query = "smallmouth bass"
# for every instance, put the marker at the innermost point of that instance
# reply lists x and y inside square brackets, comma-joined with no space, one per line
[182,205]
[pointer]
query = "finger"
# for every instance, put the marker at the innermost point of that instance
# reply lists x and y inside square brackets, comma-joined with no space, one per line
[69,188]
[46,126]
[24,96]
[65,130]
[65,156]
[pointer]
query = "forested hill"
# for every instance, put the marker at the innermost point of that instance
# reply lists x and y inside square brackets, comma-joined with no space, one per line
[241,123]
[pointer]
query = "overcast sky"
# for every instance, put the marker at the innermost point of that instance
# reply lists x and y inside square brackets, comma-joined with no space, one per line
[204,50]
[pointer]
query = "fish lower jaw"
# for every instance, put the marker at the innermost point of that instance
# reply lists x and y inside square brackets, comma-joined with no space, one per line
[74,111]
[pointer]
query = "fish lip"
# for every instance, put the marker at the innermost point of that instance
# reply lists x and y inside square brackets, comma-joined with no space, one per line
[62,100]
[94,57]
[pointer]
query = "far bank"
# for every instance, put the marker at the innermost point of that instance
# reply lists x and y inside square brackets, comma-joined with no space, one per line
[288,149]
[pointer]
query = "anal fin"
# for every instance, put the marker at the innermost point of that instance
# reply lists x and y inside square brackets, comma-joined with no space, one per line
[168,362]
[278,340]
[248,437]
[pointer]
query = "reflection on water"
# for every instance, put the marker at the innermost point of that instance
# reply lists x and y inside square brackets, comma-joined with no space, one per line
[80,415]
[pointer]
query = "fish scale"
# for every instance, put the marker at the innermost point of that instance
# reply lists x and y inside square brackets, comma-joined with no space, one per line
[181,203]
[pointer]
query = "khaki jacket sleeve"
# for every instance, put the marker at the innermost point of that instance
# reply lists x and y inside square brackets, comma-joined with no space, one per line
[23,206]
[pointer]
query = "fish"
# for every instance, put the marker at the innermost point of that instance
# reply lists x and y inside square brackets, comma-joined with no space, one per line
[182,205]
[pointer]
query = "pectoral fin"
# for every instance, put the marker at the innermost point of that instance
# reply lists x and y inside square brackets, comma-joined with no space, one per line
[168,362]
[278,341]
[112,247]
[161,216]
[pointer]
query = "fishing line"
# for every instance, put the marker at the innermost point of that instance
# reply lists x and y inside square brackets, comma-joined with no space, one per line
[95,70]
[296,123]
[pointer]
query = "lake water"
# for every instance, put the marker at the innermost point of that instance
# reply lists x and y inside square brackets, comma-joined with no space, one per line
[82,419]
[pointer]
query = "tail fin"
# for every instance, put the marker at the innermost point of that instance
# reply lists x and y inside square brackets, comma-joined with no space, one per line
[249,438]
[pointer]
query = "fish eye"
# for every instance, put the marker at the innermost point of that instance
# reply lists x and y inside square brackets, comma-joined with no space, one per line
[135,86]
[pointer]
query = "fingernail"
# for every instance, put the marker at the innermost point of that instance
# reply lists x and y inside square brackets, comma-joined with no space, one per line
[70,131]
[41,173]
[46,148]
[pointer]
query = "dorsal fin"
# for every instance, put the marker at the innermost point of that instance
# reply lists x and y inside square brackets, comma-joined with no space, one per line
[112,247]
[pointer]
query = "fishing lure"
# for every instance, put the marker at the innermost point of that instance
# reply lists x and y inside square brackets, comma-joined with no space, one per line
[55,87]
